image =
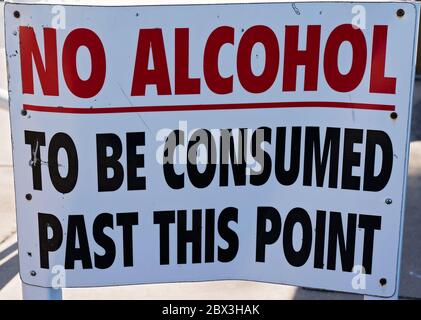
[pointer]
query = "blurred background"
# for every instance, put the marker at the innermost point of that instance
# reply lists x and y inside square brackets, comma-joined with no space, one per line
[10,286]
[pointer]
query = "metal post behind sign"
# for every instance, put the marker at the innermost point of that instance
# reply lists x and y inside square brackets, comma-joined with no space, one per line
[4,104]
[30,292]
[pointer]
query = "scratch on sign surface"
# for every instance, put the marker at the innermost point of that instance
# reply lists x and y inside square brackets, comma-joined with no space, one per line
[294,7]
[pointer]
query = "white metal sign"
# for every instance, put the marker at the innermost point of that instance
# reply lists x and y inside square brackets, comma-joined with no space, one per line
[265,142]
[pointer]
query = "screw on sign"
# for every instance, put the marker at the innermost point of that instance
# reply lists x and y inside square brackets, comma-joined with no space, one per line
[400,13]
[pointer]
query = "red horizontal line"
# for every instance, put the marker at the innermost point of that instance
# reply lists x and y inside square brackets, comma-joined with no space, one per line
[198,107]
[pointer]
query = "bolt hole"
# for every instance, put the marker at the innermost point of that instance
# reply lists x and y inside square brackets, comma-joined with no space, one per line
[28,196]
[33,273]
[400,13]
[24,112]
[394,115]
[383,282]
[16,14]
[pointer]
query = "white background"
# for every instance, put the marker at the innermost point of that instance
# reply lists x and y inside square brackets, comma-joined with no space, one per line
[118,29]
